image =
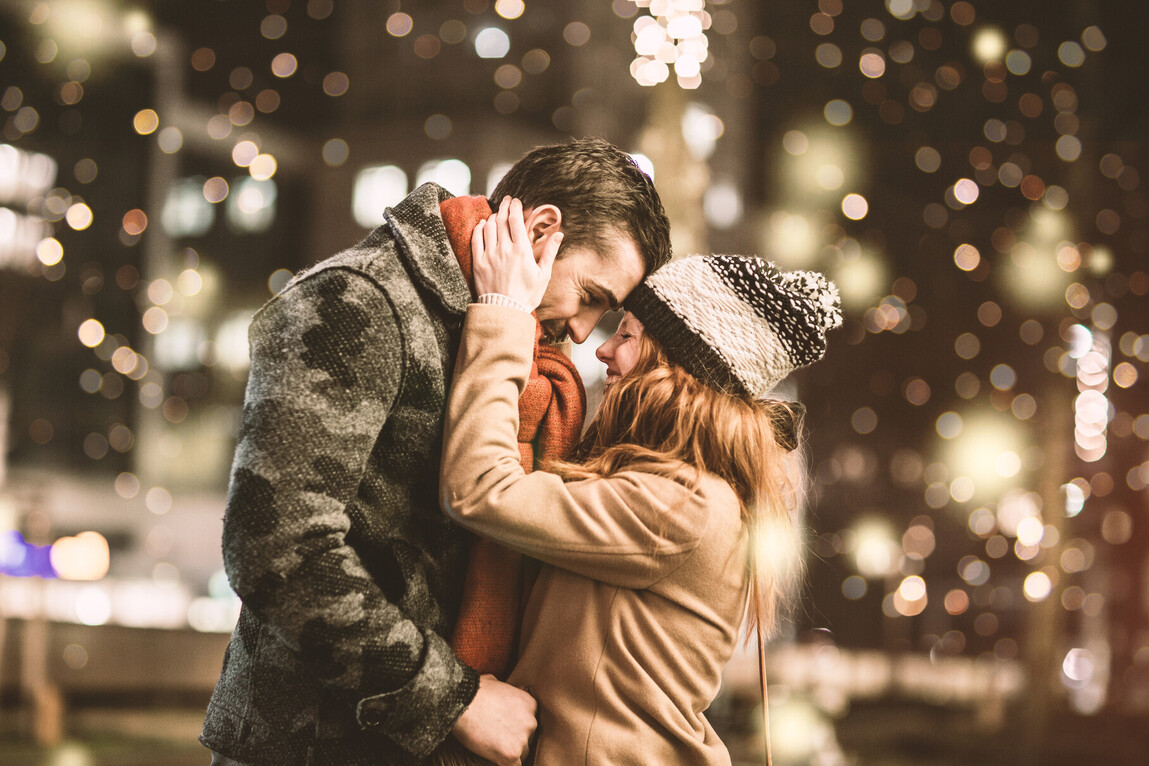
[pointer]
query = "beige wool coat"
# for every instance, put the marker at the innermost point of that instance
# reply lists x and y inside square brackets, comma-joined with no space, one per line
[641,596]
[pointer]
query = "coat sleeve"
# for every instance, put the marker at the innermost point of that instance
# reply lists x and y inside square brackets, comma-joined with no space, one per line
[326,365]
[629,529]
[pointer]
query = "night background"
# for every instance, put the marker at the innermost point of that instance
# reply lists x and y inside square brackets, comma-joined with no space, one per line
[967,172]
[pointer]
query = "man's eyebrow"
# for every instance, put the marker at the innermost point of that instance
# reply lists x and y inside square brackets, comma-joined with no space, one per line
[608,295]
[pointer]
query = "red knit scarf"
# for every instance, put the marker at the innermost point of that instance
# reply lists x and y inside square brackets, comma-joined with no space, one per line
[551,412]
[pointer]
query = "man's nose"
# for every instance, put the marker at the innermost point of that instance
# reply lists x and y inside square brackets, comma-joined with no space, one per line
[581,326]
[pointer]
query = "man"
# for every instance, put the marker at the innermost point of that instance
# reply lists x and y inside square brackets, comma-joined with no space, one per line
[351,577]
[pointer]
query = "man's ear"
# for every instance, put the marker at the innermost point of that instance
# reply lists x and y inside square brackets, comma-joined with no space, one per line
[542,223]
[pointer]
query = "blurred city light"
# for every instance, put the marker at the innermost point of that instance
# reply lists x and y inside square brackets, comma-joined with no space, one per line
[818,163]
[83,557]
[452,174]
[377,188]
[790,239]
[251,206]
[983,446]
[861,280]
[673,35]
[492,43]
[876,548]
[799,730]
[989,44]
[701,128]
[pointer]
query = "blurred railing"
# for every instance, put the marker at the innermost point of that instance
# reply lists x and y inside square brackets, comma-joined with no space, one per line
[45,664]
[832,677]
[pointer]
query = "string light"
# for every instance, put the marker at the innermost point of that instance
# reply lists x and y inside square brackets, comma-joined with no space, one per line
[673,35]
[1091,407]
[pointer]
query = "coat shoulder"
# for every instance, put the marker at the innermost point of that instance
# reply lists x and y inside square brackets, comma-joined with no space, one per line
[375,256]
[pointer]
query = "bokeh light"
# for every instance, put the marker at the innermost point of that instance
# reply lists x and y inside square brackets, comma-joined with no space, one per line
[492,43]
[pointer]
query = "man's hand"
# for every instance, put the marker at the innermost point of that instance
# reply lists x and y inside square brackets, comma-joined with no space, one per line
[499,722]
[503,257]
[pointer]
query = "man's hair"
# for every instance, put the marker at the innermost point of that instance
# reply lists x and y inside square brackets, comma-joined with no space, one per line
[599,189]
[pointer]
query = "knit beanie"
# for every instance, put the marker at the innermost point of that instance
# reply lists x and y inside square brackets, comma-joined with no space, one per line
[736,322]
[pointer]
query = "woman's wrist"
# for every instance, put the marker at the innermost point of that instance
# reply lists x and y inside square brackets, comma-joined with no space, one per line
[498,299]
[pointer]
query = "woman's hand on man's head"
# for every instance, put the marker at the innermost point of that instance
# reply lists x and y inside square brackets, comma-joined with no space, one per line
[504,258]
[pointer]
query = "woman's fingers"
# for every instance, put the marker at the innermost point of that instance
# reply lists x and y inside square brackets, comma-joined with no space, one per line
[501,221]
[478,245]
[517,225]
[491,237]
[505,231]
[504,256]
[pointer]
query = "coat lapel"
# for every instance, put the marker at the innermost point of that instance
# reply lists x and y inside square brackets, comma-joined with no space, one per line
[423,245]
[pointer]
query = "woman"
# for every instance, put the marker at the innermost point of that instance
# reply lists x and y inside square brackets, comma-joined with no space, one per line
[676,514]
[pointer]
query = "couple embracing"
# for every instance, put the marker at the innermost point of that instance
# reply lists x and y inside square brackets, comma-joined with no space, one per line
[437,562]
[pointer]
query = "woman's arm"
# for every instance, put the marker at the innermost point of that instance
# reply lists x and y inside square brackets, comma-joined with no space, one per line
[630,529]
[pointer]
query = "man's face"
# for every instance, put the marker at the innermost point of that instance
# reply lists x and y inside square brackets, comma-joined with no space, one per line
[585,285]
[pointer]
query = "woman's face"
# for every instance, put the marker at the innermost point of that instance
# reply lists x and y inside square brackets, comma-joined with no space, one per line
[620,352]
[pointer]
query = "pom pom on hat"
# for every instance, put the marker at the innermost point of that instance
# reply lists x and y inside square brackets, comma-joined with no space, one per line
[737,322]
[823,294]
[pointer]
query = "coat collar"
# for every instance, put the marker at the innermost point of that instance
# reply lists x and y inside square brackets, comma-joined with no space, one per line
[422,243]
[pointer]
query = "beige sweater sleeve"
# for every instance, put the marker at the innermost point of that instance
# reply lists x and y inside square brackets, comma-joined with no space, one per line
[630,529]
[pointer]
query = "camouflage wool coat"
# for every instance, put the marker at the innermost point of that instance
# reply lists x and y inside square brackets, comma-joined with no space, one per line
[349,573]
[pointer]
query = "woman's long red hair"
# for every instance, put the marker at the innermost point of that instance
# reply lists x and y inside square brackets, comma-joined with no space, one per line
[659,417]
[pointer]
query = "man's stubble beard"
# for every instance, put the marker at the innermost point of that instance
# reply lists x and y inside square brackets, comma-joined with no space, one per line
[554,330]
